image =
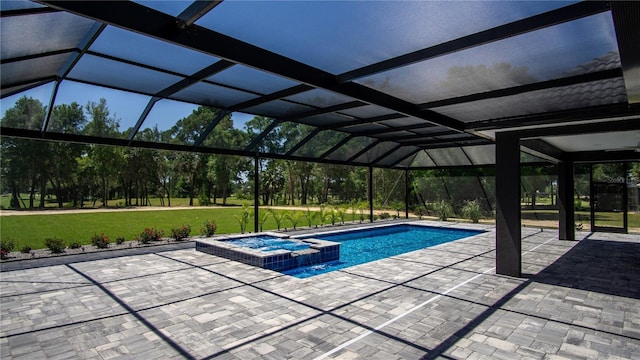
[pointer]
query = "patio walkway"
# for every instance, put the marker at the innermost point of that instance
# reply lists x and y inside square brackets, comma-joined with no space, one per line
[578,300]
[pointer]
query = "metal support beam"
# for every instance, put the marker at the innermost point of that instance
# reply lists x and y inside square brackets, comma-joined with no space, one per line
[52,99]
[85,44]
[195,11]
[302,142]
[326,110]
[210,127]
[379,158]
[337,146]
[143,117]
[262,135]
[256,192]
[402,158]
[508,232]
[271,97]
[406,193]
[559,120]
[566,225]
[370,192]
[625,198]
[543,150]
[443,131]
[366,148]
[347,124]
[626,19]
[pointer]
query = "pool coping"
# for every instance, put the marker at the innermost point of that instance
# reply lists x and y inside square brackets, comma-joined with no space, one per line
[319,251]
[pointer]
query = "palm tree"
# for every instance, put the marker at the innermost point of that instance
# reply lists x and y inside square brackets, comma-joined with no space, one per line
[278,217]
[243,219]
[294,217]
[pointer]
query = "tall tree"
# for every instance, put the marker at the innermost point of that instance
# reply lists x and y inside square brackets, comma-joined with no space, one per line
[23,161]
[64,166]
[192,167]
[222,170]
[105,158]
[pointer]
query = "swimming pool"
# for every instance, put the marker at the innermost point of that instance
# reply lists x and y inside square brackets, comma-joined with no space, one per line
[365,245]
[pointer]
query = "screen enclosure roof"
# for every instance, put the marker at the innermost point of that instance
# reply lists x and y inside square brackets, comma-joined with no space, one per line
[393,84]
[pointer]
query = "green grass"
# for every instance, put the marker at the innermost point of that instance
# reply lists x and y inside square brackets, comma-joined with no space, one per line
[603,219]
[32,230]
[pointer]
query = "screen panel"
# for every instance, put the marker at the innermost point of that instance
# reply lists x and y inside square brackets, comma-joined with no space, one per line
[243,77]
[595,93]
[550,53]
[319,32]
[120,75]
[449,157]
[41,33]
[320,143]
[212,95]
[145,50]
[351,148]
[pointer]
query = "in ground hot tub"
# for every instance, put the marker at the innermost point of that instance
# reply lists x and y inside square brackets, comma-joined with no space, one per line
[271,250]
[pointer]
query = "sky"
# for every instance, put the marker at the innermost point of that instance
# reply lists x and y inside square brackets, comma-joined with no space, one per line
[124,106]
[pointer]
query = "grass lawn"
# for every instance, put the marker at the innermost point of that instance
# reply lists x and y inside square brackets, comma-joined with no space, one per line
[604,219]
[32,230]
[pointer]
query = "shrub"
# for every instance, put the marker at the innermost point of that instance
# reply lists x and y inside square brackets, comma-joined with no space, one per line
[294,217]
[243,219]
[332,215]
[149,235]
[263,216]
[120,240]
[420,211]
[181,233]
[6,246]
[203,200]
[444,209]
[74,245]
[342,213]
[55,245]
[100,241]
[25,249]
[209,228]
[472,210]
[385,215]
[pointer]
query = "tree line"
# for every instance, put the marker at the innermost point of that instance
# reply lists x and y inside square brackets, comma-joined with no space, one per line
[87,175]
[80,175]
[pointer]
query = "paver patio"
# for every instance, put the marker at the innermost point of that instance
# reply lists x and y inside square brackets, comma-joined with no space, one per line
[576,300]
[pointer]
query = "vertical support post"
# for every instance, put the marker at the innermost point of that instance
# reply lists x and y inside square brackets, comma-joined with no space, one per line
[256,193]
[625,197]
[508,220]
[370,193]
[406,193]
[592,200]
[566,226]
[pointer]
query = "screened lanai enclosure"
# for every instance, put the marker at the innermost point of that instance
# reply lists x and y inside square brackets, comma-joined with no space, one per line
[476,89]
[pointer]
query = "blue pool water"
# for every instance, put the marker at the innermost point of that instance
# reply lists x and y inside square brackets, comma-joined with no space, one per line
[362,246]
[268,243]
